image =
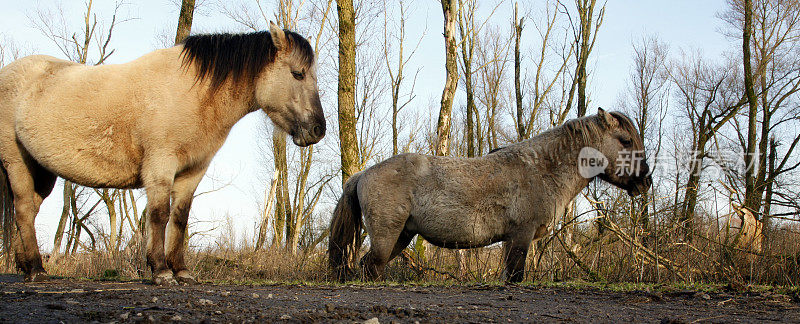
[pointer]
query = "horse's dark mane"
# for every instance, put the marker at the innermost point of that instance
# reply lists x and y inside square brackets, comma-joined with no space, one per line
[239,56]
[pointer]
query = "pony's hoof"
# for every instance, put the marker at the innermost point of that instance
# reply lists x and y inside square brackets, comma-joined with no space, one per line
[164,279]
[185,277]
[37,277]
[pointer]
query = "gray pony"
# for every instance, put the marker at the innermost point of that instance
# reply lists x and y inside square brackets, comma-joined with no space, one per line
[509,195]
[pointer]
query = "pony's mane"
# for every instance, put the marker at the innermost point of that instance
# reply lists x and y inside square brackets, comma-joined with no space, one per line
[583,130]
[238,56]
[587,128]
[627,124]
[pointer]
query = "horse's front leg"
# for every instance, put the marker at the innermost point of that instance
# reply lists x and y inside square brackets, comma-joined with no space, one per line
[158,185]
[182,195]
[515,253]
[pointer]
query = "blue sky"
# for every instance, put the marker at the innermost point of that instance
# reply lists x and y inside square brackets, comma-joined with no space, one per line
[683,24]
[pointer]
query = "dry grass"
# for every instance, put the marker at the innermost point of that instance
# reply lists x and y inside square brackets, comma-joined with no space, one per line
[620,253]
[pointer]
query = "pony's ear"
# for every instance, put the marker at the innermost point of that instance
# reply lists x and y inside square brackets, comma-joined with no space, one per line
[608,119]
[278,36]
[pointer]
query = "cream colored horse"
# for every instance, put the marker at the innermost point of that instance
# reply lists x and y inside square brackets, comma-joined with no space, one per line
[155,122]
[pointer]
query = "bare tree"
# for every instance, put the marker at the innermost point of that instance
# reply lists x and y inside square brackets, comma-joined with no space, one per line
[517,24]
[646,100]
[752,111]
[770,33]
[9,50]
[547,73]
[469,29]
[585,36]
[492,58]
[78,47]
[450,11]
[467,32]
[709,98]
[396,76]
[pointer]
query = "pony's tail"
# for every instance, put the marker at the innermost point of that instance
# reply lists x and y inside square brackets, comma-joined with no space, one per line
[345,230]
[7,214]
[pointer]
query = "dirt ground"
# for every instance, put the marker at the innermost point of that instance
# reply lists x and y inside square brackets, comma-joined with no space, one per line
[70,301]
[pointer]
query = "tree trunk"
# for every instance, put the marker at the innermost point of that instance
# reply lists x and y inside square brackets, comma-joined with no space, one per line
[397,81]
[270,199]
[299,212]
[283,209]
[586,10]
[449,8]
[750,200]
[466,30]
[185,20]
[517,67]
[348,143]
[693,183]
[69,192]
[107,196]
[765,218]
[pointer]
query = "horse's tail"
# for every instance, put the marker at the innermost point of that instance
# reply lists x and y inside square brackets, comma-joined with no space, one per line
[345,230]
[7,213]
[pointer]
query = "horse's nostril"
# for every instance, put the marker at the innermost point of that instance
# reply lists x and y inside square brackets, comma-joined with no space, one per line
[318,131]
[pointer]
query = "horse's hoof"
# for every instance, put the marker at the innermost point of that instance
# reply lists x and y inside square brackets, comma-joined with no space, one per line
[185,277]
[164,279]
[37,277]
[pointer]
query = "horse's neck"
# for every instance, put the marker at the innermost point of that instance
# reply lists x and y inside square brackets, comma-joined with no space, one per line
[219,109]
[227,105]
[557,160]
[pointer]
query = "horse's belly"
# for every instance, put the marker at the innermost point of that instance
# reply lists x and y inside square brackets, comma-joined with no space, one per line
[458,230]
[98,172]
[90,157]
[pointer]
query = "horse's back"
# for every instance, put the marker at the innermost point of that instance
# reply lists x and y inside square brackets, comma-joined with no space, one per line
[18,74]
[20,77]
[17,79]
[48,105]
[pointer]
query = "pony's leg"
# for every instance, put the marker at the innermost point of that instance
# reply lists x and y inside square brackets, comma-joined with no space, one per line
[514,253]
[30,184]
[182,195]
[402,243]
[158,186]
[384,234]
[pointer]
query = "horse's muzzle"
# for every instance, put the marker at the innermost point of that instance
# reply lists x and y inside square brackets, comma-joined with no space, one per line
[641,186]
[309,135]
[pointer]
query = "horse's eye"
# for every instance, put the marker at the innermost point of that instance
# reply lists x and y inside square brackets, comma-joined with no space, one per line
[298,75]
[626,142]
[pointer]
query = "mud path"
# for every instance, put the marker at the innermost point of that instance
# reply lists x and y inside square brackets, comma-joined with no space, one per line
[68,301]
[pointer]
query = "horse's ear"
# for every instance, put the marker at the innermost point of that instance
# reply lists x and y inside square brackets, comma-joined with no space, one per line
[608,119]
[278,36]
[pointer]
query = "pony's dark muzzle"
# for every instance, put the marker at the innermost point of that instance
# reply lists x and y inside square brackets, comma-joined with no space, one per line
[641,186]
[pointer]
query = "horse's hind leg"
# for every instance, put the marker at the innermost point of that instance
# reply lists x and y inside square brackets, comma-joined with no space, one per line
[385,235]
[30,184]
[402,243]
[182,195]
[374,265]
